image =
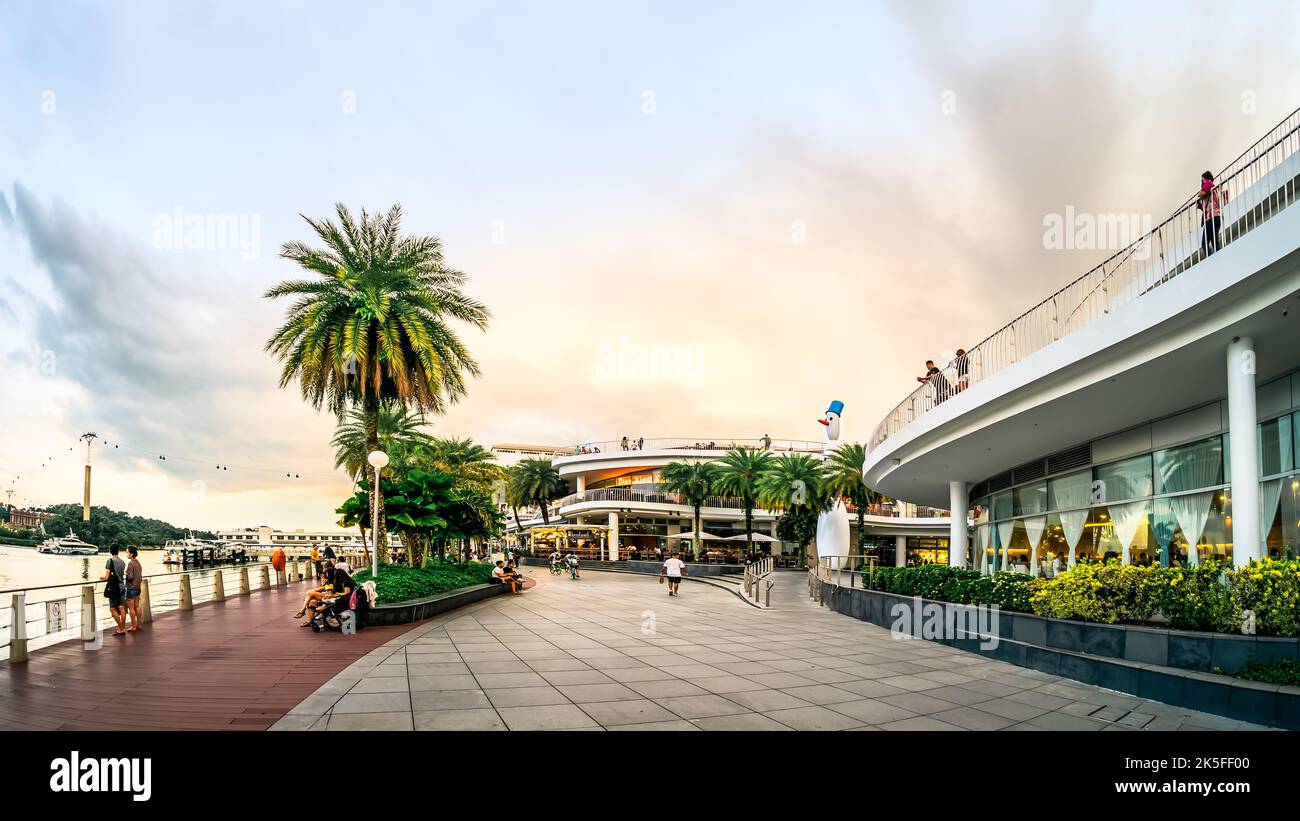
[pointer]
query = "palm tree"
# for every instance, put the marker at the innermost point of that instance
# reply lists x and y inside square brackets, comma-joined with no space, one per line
[515,496]
[471,463]
[695,482]
[739,473]
[370,328]
[797,486]
[844,480]
[539,483]
[398,428]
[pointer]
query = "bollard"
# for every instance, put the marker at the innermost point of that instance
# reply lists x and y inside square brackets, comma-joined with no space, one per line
[89,624]
[243,581]
[18,630]
[187,601]
[219,586]
[146,610]
[266,576]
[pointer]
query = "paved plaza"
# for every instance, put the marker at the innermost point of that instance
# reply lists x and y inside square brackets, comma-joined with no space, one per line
[613,651]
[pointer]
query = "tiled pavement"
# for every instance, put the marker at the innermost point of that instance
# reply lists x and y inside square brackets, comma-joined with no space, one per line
[613,651]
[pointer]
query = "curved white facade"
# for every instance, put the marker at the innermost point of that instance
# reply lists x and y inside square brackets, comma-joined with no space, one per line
[1205,352]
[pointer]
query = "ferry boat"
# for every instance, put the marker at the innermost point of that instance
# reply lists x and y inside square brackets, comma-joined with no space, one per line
[68,545]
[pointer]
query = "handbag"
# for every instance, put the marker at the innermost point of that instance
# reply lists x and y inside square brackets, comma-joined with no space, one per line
[113,587]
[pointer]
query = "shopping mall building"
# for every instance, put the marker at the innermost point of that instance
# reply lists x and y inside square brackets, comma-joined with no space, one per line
[1148,412]
[618,507]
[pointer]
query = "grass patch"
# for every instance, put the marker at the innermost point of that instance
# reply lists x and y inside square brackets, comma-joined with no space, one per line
[398,584]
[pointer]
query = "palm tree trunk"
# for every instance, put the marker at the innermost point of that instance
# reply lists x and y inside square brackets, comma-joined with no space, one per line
[372,444]
[699,540]
[749,529]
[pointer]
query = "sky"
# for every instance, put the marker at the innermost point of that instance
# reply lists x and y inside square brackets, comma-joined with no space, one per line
[699,221]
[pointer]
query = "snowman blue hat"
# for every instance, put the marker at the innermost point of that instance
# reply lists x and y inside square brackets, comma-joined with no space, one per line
[837,408]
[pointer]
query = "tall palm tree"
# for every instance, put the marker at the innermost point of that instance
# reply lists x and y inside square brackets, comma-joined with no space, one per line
[540,483]
[371,327]
[398,428]
[515,495]
[695,482]
[797,486]
[739,473]
[844,480]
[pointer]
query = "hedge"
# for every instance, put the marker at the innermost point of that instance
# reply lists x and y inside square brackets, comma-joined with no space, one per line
[398,583]
[1208,597]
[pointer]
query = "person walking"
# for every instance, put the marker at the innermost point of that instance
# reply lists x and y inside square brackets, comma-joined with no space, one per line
[1210,200]
[133,577]
[672,571]
[115,589]
[315,560]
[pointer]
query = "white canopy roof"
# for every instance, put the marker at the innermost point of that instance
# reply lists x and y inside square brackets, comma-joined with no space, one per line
[691,535]
[758,537]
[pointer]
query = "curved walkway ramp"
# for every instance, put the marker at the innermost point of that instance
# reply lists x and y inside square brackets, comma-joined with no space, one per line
[613,651]
[240,664]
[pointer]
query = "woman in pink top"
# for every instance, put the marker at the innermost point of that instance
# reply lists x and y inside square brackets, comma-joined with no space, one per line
[1210,201]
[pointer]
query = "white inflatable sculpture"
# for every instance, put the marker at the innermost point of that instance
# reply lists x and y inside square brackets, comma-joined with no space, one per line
[833,525]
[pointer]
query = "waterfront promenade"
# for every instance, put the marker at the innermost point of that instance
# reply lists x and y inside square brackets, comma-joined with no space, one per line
[612,651]
[240,664]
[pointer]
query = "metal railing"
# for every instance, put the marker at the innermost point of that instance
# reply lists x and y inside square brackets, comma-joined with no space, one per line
[836,570]
[35,617]
[757,575]
[647,492]
[721,443]
[1257,185]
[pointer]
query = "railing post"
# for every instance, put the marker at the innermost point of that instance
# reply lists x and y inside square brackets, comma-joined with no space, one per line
[146,609]
[266,576]
[187,600]
[89,623]
[243,580]
[18,629]
[219,586]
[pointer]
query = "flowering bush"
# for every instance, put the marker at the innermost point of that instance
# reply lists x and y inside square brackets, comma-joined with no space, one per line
[1271,590]
[1207,597]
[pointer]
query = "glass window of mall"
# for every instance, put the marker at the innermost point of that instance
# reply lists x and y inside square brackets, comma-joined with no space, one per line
[1171,506]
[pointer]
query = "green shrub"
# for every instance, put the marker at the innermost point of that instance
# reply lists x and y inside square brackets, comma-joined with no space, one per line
[1270,589]
[397,583]
[959,585]
[1278,671]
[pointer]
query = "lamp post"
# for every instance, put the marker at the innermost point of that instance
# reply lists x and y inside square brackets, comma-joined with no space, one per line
[378,459]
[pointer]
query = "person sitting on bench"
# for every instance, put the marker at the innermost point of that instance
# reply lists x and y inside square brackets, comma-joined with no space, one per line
[325,591]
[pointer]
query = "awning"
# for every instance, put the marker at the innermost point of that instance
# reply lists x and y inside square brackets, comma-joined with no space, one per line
[758,537]
[691,535]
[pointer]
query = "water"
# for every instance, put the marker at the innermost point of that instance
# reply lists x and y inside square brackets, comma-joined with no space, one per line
[24,569]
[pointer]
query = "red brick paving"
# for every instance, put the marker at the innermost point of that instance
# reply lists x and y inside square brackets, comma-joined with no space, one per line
[237,665]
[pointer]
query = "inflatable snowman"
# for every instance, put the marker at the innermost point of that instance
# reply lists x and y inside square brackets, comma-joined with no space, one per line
[833,525]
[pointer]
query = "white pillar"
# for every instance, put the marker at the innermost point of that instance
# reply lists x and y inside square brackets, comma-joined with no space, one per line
[958,502]
[582,484]
[1245,455]
[613,536]
[900,551]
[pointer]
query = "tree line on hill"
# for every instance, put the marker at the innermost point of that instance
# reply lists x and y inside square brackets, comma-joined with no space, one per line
[109,527]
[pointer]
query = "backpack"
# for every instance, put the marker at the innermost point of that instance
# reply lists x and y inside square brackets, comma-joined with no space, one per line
[113,587]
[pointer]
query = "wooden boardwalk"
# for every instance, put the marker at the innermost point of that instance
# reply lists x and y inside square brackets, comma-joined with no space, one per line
[237,665]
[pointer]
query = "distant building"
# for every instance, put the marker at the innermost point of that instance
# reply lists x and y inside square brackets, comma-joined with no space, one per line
[509,455]
[263,536]
[24,519]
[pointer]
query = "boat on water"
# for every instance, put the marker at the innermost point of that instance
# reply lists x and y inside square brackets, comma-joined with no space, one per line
[68,545]
[209,550]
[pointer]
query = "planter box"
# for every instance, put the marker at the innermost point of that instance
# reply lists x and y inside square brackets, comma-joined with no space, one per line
[419,609]
[1171,666]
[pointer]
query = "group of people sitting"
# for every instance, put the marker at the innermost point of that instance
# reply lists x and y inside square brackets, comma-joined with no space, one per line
[507,573]
[334,593]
